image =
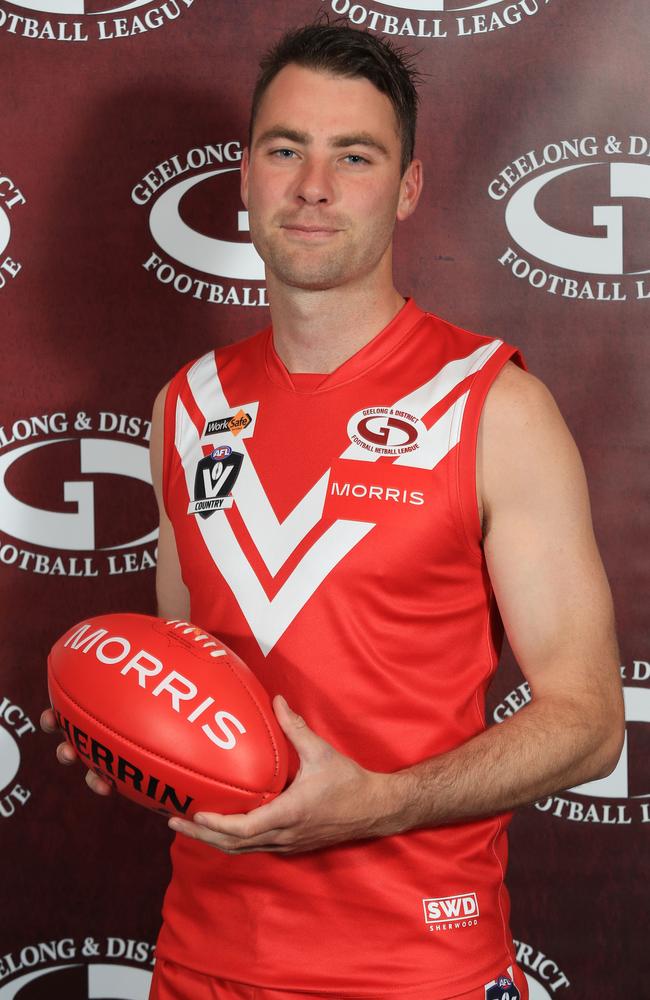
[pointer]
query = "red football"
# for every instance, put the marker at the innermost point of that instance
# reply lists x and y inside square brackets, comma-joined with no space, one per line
[168,714]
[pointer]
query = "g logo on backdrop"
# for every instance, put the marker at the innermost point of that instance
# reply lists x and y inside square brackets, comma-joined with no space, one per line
[460,18]
[550,193]
[188,259]
[68,486]
[86,20]
[623,798]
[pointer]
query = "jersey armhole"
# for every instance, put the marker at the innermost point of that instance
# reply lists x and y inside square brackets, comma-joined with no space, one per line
[169,431]
[467,504]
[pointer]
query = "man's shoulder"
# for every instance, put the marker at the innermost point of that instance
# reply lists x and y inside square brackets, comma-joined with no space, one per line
[517,397]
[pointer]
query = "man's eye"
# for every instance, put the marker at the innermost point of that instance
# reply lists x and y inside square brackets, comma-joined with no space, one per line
[355,158]
[283,154]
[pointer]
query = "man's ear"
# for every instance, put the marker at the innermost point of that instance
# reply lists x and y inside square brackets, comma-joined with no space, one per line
[410,189]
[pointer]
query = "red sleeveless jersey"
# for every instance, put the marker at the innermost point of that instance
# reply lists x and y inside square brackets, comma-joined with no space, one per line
[328,531]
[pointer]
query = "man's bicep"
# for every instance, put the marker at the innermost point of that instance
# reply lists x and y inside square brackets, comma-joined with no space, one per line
[171,593]
[544,564]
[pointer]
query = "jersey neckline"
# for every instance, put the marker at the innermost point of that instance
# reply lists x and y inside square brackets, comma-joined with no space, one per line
[363,360]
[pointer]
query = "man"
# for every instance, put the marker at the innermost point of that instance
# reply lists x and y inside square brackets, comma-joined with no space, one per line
[380,478]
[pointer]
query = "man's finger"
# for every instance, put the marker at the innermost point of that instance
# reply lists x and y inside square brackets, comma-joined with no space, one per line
[65,753]
[307,743]
[48,721]
[98,786]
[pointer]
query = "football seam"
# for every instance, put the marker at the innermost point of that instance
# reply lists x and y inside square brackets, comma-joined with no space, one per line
[157,756]
[227,662]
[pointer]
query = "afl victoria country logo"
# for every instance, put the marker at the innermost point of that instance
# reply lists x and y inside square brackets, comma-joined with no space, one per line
[85,20]
[11,201]
[203,250]
[75,496]
[457,18]
[577,213]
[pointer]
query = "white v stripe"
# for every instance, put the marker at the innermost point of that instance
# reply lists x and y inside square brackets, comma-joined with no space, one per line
[268,619]
[275,540]
[436,443]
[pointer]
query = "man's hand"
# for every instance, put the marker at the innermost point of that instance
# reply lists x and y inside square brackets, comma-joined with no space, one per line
[66,753]
[332,799]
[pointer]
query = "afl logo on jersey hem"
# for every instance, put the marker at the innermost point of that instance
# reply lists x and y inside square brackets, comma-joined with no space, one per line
[502,988]
[384,430]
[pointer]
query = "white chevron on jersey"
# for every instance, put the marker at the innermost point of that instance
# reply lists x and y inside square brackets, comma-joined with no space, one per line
[276,540]
[435,444]
[268,618]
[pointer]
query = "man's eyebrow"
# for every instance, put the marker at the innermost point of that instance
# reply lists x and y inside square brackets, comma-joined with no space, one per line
[359,139]
[337,141]
[282,132]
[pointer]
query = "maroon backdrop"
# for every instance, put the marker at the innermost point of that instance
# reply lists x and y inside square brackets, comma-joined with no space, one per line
[122,127]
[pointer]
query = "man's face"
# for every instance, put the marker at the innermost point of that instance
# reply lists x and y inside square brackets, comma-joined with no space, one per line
[322,179]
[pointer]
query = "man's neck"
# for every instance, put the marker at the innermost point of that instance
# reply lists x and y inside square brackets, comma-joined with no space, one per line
[316,331]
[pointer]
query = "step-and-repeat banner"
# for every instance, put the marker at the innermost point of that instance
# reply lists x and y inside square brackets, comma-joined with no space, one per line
[122,127]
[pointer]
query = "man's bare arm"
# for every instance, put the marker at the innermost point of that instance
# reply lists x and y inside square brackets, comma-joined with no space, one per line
[556,606]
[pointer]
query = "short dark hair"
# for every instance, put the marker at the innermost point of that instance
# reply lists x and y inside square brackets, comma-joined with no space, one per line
[344,51]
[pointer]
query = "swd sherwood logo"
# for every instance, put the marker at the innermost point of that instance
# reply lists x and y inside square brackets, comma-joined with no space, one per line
[623,798]
[75,495]
[458,18]
[576,213]
[86,969]
[86,20]
[193,206]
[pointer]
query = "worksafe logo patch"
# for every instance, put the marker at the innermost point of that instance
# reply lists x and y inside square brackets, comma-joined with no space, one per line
[15,727]
[437,19]
[576,215]
[75,495]
[622,798]
[12,201]
[87,20]
[88,969]
[202,247]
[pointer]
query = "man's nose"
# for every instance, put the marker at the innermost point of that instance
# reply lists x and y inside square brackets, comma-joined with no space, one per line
[314,183]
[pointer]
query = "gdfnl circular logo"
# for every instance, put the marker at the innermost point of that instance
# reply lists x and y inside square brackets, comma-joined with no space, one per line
[435,19]
[85,20]
[544,975]
[75,495]
[85,969]
[576,213]
[12,201]
[15,728]
[623,797]
[202,248]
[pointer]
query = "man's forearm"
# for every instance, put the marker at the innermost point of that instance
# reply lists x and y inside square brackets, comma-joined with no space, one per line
[545,747]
